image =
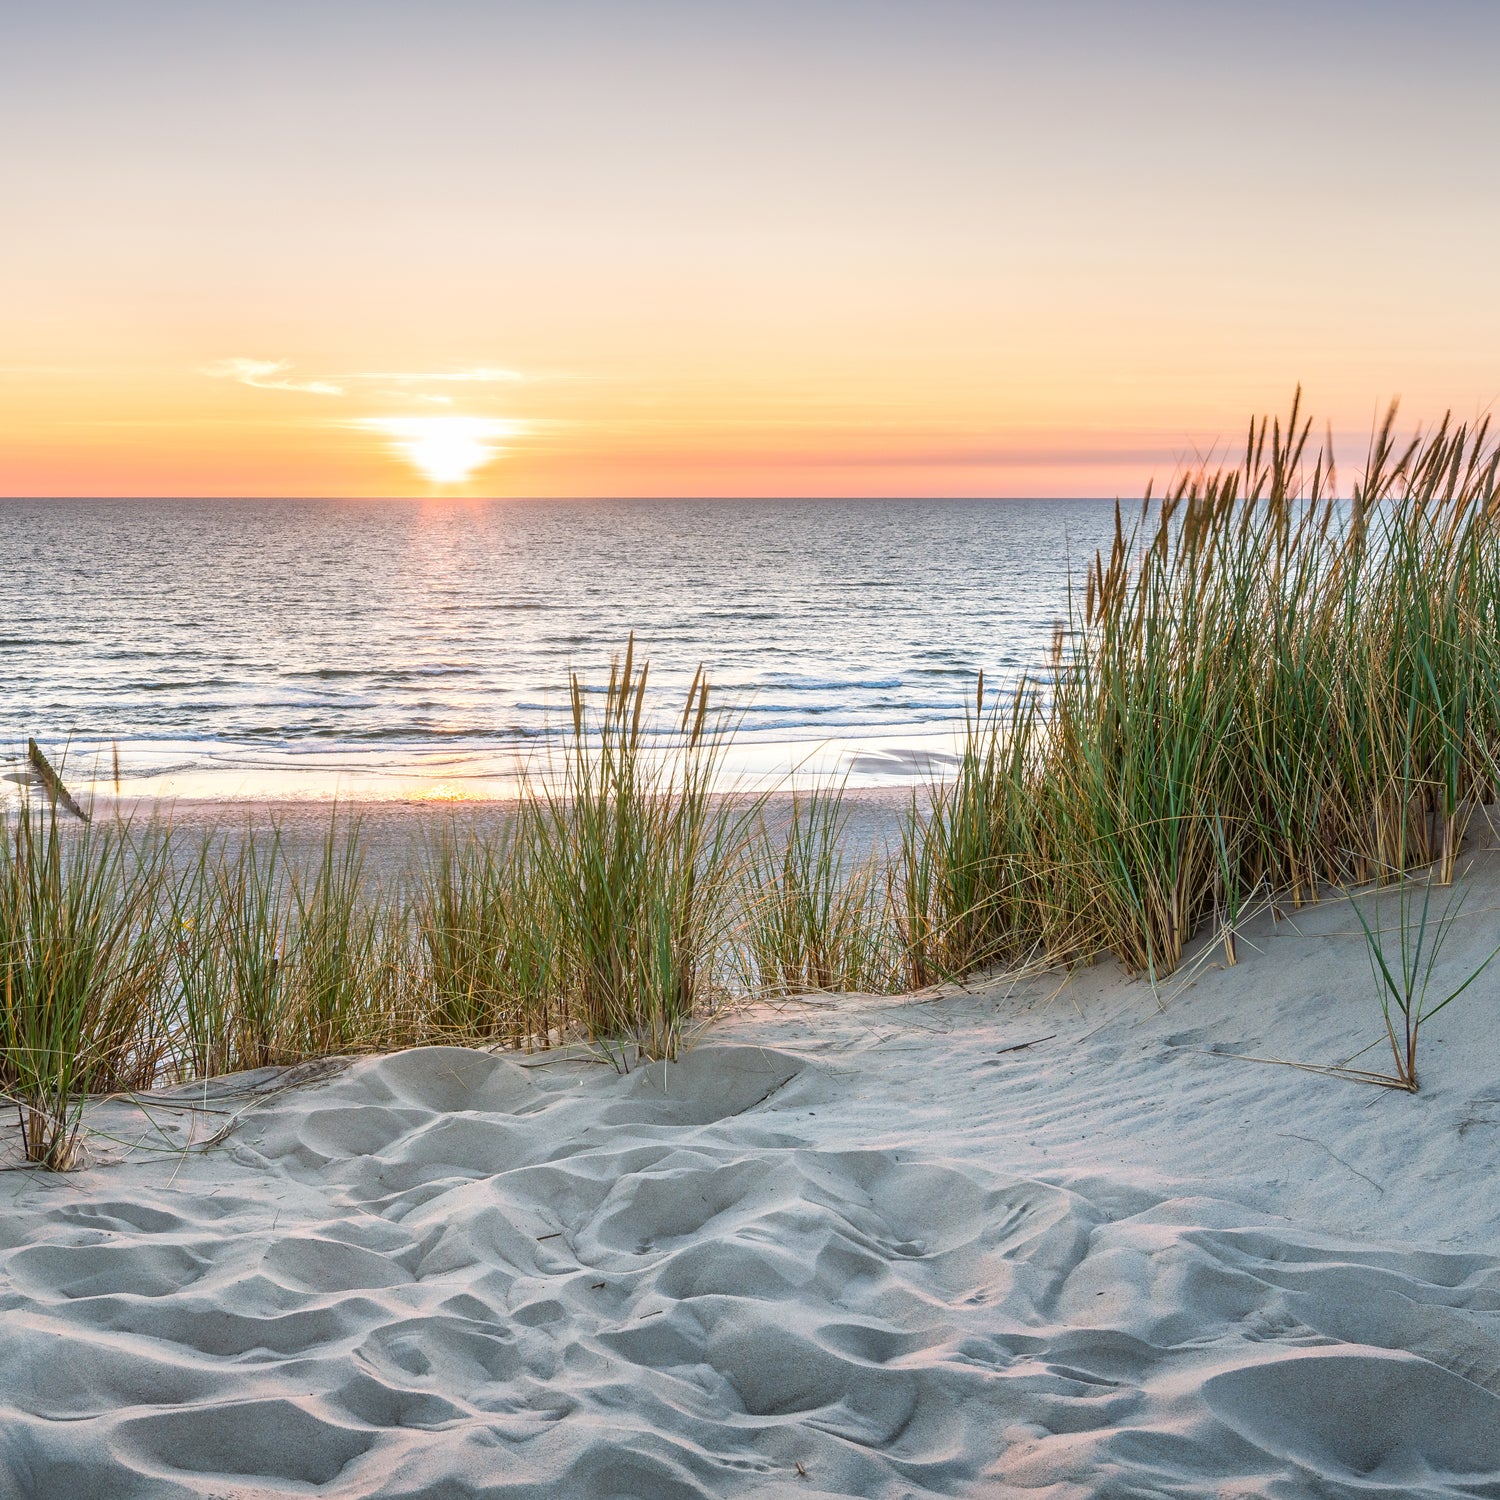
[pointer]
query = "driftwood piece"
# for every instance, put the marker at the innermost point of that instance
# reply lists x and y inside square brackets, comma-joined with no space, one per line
[52,781]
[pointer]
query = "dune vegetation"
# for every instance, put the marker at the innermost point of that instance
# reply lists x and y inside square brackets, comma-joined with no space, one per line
[1262,689]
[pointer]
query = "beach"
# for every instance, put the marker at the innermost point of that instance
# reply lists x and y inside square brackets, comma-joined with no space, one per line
[1105,1110]
[395,833]
[1052,1236]
[749,750]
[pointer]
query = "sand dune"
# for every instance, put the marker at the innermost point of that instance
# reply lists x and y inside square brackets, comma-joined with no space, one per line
[845,1248]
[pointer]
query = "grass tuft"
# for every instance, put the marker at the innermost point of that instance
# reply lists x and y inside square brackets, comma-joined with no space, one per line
[636,858]
[80,971]
[1403,977]
[815,917]
[489,949]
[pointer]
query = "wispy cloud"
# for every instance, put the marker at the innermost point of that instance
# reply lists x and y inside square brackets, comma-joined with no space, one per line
[268,375]
[484,375]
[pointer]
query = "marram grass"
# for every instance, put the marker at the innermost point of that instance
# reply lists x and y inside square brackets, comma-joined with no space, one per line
[1264,687]
[635,856]
[814,915]
[82,992]
[1259,688]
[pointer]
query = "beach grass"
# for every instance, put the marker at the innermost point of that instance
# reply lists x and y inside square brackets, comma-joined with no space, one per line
[1259,689]
[815,915]
[1264,687]
[347,954]
[636,856]
[232,912]
[487,964]
[276,961]
[965,897]
[1403,971]
[81,971]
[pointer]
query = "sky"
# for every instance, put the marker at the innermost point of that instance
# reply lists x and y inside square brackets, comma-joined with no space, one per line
[832,247]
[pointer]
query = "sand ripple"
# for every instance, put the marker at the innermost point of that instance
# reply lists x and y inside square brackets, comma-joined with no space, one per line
[443,1275]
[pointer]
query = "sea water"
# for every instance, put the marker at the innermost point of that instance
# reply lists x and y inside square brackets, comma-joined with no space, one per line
[424,648]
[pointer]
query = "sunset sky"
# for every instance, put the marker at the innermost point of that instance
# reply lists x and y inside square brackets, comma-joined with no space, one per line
[817,248]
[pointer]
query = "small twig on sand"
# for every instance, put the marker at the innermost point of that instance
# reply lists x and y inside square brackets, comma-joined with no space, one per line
[1313,1141]
[1022,1046]
[571,1057]
[1325,1070]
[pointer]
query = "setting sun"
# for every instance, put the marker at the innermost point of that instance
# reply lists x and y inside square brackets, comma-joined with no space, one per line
[447,450]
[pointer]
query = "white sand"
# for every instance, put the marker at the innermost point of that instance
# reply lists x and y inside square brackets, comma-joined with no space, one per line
[860,1236]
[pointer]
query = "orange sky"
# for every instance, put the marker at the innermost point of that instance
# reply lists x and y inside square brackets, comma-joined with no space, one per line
[937,248]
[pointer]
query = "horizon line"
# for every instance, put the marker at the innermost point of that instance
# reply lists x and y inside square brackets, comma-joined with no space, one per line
[551,499]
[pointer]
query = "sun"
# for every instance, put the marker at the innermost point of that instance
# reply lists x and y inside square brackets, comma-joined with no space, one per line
[447,450]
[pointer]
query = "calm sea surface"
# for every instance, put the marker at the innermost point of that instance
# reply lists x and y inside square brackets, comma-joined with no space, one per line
[285,647]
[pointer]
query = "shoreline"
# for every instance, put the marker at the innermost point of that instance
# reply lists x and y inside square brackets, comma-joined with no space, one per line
[751,763]
[393,833]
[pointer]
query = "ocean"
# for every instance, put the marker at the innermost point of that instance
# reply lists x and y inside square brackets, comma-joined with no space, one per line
[409,648]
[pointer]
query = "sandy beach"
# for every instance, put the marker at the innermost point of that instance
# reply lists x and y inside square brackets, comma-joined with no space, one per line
[1048,1237]
[395,832]
[749,751]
